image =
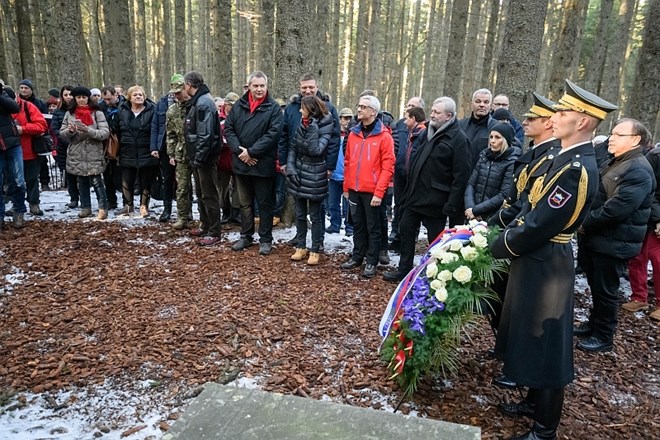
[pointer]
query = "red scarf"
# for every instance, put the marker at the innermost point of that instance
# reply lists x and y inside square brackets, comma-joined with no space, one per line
[84,114]
[255,103]
[305,122]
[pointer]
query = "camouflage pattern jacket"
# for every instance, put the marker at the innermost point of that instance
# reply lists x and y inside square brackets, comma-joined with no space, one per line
[175,139]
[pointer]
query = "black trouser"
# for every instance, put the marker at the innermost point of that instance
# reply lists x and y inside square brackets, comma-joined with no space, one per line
[112,180]
[208,198]
[366,227]
[224,177]
[384,244]
[548,403]
[72,186]
[313,207]
[44,172]
[408,229]
[261,189]
[603,273]
[169,180]
[31,172]
[399,185]
[128,177]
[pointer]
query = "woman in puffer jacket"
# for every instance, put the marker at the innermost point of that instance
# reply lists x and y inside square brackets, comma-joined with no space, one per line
[307,174]
[492,176]
[85,128]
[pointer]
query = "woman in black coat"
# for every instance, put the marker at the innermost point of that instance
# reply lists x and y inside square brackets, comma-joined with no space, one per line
[63,144]
[492,176]
[133,128]
[307,174]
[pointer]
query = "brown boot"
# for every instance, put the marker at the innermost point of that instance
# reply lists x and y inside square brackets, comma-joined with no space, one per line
[19,220]
[299,254]
[103,214]
[85,212]
[181,224]
[35,209]
[313,259]
[144,211]
[126,210]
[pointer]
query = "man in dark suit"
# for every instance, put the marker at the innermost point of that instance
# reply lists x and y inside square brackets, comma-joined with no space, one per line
[435,183]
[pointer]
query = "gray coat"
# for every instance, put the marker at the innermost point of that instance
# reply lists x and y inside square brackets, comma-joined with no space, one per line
[85,153]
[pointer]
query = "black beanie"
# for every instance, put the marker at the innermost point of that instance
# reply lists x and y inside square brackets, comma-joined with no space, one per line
[55,93]
[502,113]
[81,91]
[27,82]
[506,130]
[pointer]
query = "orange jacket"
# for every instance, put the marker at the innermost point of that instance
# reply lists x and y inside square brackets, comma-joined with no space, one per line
[369,161]
[35,127]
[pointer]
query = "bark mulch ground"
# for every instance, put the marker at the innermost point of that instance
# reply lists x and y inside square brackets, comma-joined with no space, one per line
[103,300]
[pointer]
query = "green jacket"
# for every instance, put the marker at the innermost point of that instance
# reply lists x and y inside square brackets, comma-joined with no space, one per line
[175,139]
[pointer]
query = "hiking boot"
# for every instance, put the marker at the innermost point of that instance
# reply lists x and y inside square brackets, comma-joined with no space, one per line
[86,212]
[19,220]
[635,306]
[350,264]
[72,204]
[276,221]
[209,241]
[369,271]
[242,243]
[35,210]
[181,224]
[197,232]
[293,242]
[265,248]
[144,211]
[9,213]
[126,210]
[299,254]
[393,276]
[167,213]
[313,259]
[655,315]
[103,214]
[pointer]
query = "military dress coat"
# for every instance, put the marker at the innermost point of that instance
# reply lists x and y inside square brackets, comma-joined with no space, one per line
[535,337]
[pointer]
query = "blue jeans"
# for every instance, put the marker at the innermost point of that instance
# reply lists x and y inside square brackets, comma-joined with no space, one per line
[337,204]
[11,164]
[316,215]
[96,181]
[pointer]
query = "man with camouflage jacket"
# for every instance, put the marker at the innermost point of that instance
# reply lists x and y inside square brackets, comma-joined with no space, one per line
[176,150]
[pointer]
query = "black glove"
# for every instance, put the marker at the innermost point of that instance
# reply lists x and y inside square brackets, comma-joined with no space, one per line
[294,179]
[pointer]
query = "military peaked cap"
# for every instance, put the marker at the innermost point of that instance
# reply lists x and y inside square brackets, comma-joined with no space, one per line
[577,99]
[542,107]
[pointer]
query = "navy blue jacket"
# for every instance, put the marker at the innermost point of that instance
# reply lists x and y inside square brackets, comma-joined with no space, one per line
[157,142]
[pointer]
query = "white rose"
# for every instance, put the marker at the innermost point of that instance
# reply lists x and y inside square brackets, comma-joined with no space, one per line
[479,240]
[437,284]
[441,294]
[448,257]
[456,245]
[469,253]
[480,229]
[444,275]
[472,223]
[431,270]
[462,274]
[437,252]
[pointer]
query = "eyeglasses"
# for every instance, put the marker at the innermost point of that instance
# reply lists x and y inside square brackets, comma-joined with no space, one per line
[362,107]
[621,135]
[500,104]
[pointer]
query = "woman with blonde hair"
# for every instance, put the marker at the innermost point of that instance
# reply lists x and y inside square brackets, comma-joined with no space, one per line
[133,128]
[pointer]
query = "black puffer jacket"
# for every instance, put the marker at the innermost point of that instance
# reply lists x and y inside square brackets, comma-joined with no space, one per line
[9,137]
[618,220]
[490,181]
[477,132]
[134,136]
[258,131]
[62,144]
[307,159]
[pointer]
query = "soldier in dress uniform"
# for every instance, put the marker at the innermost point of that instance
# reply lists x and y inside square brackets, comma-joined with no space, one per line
[535,337]
[543,146]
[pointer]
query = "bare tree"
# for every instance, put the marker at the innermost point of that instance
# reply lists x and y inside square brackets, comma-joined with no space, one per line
[454,70]
[119,60]
[292,48]
[67,45]
[594,74]
[26,48]
[518,62]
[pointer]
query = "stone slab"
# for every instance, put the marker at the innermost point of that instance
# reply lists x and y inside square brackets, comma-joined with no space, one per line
[228,412]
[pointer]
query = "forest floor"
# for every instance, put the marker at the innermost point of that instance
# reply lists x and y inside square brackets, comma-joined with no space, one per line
[108,329]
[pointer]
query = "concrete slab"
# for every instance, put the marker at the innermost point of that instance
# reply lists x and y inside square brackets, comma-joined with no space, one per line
[232,413]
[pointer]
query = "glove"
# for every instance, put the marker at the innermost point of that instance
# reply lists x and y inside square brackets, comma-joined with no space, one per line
[294,179]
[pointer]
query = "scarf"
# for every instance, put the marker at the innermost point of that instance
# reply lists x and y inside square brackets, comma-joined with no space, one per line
[84,114]
[254,103]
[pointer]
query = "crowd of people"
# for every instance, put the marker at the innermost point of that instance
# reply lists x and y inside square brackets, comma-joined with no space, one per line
[242,155]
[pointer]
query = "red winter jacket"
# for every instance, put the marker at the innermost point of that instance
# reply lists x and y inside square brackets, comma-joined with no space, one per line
[369,162]
[35,127]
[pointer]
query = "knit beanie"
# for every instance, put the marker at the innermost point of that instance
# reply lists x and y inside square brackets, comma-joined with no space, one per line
[81,91]
[27,82]
[502,113]
[55,93]
[506,130]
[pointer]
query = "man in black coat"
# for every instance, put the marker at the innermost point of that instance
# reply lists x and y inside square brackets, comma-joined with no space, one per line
[477,126]
[252,130]
[614,230]
[535,335]
[201,129]
[435,183]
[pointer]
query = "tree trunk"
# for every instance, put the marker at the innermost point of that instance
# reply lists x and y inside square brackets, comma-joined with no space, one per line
[39,43]
[645,97]
[470,55]
[414,74]
[168,38]
[430,52]
[266,36]
[594,72]
[489,55]
[553,22]
[518,62]
[68,44]
[119,65]
[333,56]
[457,33]
[616,52]
[141,56]
[218,72]
[358,77]
[563,61]
[26,48]
[189,39]
[292,49]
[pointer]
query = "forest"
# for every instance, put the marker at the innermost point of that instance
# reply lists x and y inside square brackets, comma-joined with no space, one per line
[399,48]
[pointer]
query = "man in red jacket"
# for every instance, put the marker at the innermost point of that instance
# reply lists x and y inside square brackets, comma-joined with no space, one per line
[368,170]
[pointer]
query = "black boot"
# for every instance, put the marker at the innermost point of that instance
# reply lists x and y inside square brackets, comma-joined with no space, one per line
[524,408]
[167,211]
[547,413]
